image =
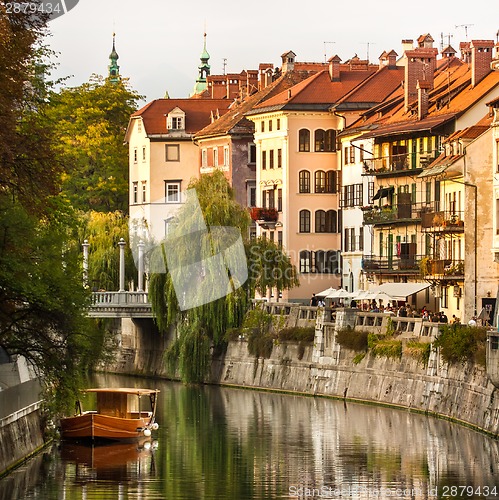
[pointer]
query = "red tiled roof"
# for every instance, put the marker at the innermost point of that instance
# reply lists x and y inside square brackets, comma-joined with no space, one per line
[198,113]
[316,90]
[235,115]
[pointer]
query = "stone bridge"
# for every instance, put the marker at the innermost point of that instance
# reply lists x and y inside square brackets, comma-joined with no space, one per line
[120,305]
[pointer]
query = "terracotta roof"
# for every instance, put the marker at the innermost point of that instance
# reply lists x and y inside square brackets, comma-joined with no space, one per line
[468,133]
[235,121]
[198,113]
[317,92]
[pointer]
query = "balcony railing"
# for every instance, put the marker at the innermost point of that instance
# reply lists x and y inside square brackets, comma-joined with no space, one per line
[264,214]
[387,165]
[406,264]
[443,221]
[443,268]
[390,214]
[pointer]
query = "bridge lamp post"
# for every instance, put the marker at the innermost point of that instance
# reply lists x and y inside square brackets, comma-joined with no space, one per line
[122,244]
[85,246]
[140,281]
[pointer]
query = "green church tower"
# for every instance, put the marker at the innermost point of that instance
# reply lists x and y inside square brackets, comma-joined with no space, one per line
[204,71]
[114,69]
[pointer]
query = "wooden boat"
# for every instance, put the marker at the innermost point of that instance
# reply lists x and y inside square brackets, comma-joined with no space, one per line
[120,414]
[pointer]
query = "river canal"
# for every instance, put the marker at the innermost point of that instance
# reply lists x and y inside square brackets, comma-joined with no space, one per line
[234,444]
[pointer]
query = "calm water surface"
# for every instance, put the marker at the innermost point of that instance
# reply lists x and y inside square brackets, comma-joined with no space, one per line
[231,444]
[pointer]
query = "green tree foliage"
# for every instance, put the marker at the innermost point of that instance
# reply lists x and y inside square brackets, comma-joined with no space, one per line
[207,324]
[42,299]
[461,343]
[28,169]
[89,123]
[103,231]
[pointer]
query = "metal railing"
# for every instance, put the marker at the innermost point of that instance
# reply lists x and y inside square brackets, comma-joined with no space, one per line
[409,263]
[397,163]
[394,213]
[444,220]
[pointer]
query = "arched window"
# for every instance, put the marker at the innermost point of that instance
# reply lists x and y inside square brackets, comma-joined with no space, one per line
[304,181]
[325,140]
[331,181]
[304,221]
[304,140]
[320,262]
[326,222]
[305,261]
[320,181]
[333,264]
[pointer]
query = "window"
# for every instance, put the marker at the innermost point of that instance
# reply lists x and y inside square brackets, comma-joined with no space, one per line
[215,157]
[352,154]
[264,160]
[497,155]
[226,157]
[361,238]
[346,155]
[251,153]
[204,158]
[320,181]
[444,299]
[370,192]
[349,239]
[172,152]
[279,158]
[143,153]
[278,124]
[279,238]
[304,221]
[270,125]
[262,126]
[325,140]
[428,193]
[304,140]
[252,197]
[144,192]
[135,192]
[305,258]
[331,181]
[326,222]
[172,192]
[271,198]
[304,181]
[135,155]
[176,123]
[279,200]
[271,158]
[361,152]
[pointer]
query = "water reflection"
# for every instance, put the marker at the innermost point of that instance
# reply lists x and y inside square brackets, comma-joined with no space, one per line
[216,443]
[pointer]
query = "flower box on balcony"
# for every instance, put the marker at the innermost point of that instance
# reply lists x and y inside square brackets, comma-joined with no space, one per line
[265,214]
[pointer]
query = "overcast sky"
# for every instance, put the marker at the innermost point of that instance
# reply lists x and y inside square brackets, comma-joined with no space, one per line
[159,41]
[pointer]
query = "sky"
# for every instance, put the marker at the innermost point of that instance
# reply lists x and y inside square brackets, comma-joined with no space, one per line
[159,42]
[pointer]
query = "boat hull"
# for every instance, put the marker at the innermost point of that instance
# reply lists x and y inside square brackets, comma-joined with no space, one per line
[97,426]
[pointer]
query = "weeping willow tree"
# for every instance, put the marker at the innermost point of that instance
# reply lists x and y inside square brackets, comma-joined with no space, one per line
[204,275]
[103,231]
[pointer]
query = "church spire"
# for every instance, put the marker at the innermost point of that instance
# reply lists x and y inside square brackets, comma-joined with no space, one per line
[114,69]
[204,71]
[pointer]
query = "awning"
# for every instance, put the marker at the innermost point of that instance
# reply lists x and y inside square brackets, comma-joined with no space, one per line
[383,193]
[401,291]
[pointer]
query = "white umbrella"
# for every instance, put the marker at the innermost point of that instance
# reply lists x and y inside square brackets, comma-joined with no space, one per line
[326,292]
[340,294]
[381,296]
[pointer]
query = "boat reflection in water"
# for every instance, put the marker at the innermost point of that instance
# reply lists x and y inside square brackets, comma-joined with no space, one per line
[116,461]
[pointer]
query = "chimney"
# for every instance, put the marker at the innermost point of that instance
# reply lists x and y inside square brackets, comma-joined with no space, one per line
[334,68]
[423,87]
[392,59]
[448,52]
[288,61]
[383,59]
[407,44]
[420,64]
[464,47]
[481,57]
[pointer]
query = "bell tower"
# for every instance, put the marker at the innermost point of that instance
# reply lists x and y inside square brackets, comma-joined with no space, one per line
[114,69]
[204,71]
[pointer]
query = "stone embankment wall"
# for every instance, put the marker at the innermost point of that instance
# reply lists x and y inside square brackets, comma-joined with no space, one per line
[461,392]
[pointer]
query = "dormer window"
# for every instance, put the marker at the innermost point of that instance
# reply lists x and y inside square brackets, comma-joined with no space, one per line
[175,120]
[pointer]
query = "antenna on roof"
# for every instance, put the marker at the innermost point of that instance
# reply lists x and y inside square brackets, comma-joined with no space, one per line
[465,26]
[449,36]
[225,65]
[325,52]
[368,43]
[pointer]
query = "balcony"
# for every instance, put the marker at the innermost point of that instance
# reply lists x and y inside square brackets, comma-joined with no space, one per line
[442,269]
[265,217]
[401,213]
[397,164]
[447,221]
[405,264]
